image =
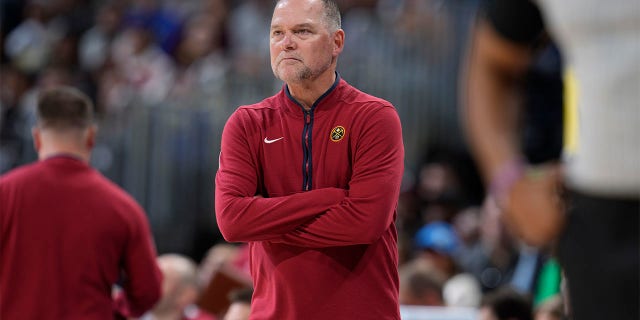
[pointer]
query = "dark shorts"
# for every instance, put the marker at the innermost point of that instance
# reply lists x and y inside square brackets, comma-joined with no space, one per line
[599,253]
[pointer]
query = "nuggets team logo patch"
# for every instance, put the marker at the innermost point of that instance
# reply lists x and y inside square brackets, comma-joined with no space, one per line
[337,133]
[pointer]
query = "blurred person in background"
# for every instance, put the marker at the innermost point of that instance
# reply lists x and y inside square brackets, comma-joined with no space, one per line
[224,269]
[598,244]
[437,242]
[94,46]
[180,291]
[310,178]
[62,215]
[202,65]
[247,46]
[95,43]
[28,45]
[551,309]
[421,284]
[142,72]
[13,85]
[505,303]
[163,21]
[462,290]
[240,307]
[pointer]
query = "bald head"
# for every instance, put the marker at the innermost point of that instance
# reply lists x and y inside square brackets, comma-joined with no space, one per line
[179,285]
[181,269]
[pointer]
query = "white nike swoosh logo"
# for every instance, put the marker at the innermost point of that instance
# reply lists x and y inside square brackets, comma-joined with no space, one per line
[272,141]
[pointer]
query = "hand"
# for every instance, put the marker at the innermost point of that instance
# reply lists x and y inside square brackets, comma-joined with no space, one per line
[533,207]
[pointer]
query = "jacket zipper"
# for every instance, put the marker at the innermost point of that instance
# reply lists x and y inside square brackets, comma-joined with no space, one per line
[307,164]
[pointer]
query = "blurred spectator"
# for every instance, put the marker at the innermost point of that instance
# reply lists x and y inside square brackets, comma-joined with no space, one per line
[505,303]
[180,291]
[437,243]
[70,17]
[494,264]
[490,252]
[163,25]
[421,284]
[142,72]
[467,225]
[224,269]
[439,190]
[446,183]
[437,179]
[240,307]
[248,27]
[28,46]
[11,15]
[551,309]
[13,85]
[201,61]
[95,43]
[234,255]
[219,10]
[462,290]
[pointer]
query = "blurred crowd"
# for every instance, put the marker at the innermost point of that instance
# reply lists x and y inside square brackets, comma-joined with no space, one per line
[214,53]
[454,249]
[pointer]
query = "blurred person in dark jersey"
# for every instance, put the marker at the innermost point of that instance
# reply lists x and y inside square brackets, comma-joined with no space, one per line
[597,238]
[67,234]
[310,178]
[505,303]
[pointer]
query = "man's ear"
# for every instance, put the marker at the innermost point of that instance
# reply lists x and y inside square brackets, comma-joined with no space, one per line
[338,42]
[37,142]
[90,139]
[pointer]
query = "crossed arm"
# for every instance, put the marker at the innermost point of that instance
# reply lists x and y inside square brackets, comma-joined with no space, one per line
[320,217]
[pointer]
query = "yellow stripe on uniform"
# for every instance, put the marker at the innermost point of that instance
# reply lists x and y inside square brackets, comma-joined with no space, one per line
[570,113]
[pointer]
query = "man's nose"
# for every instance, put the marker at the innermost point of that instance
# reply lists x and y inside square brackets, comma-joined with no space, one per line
[287,42]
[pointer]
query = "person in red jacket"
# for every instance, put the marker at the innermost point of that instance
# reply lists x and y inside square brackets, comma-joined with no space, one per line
[310,178]
[67,234]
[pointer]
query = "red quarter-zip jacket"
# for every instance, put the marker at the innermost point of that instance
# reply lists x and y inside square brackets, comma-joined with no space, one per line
[314,193]
[67,234]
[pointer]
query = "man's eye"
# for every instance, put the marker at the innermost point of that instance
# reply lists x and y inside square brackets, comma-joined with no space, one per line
[303,31]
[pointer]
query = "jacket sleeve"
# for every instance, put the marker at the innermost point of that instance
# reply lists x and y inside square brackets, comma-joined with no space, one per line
[142,281]
[369,209]
[241,215]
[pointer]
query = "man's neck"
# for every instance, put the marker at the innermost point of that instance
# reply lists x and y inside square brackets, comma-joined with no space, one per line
[45,153]
[307,92]
[53,144]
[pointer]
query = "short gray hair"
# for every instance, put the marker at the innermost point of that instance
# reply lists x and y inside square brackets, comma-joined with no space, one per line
[331,14]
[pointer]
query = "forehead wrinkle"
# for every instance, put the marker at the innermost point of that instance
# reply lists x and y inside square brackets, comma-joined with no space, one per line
[296,26]
[310,12]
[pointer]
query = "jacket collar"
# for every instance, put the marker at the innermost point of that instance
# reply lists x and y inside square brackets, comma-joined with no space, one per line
[329,95]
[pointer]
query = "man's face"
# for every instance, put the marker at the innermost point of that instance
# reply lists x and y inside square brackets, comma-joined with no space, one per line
[302,46]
